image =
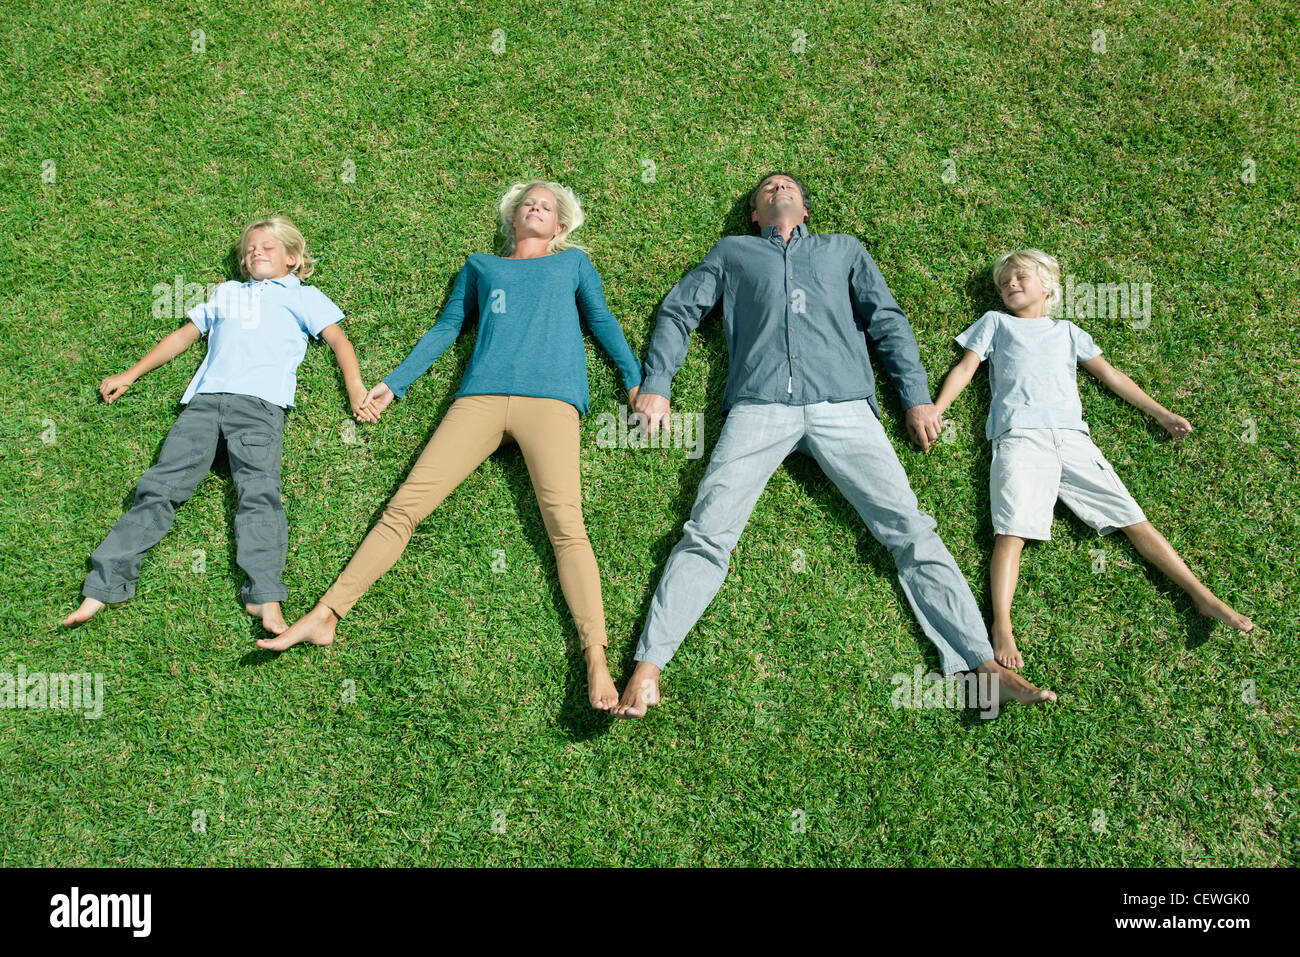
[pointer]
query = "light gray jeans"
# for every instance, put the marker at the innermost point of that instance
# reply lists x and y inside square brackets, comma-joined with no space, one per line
[850,445]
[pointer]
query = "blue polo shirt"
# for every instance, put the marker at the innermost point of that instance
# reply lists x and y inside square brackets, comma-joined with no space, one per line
[257,337]
[529,334]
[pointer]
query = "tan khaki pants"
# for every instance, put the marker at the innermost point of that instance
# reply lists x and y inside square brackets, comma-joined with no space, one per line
[475,426]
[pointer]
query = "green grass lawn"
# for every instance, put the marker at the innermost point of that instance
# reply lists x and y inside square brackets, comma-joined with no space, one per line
[469,740]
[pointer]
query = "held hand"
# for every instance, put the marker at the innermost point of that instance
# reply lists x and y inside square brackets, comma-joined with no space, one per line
[923,425]
[654,408]
[632,393]
[1176,426]
[376,400]
[114,386]
[360,411]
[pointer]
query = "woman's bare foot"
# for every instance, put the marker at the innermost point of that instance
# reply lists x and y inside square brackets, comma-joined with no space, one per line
[1215,608]
[87,610]
[317,627]
[1012,687]
[269,612]
[1005,651]
[641,692]
[600,686]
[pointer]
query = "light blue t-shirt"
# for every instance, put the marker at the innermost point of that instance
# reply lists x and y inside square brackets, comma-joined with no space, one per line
[257,336]
[1033,369]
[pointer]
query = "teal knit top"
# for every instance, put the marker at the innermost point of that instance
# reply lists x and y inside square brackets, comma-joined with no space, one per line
[529,335]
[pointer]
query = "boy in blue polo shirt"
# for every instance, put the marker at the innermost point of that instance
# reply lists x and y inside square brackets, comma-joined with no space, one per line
[1041,444]
[257,337]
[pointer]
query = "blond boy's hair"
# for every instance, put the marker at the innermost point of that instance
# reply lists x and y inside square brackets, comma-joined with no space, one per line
[294,244]
[568,212]
[1043,264]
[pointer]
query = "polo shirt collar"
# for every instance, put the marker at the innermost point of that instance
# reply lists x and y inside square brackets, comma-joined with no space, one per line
[288,281]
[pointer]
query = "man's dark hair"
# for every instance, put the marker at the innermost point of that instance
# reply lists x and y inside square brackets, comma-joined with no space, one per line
[803,190]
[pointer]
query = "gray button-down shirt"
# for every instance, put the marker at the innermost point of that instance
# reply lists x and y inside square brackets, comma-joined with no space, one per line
[794,315]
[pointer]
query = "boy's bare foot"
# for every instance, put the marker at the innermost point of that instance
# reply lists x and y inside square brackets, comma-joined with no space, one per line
[600,686]
[269,612]
[641,692]
[86,611]
[1005,651]
[1215,608]
[317,627]
[1012,687]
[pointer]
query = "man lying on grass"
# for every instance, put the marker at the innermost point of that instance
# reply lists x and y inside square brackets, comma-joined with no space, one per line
[795,307]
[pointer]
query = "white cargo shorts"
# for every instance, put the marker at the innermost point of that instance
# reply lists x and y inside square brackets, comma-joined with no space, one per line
[1033,467]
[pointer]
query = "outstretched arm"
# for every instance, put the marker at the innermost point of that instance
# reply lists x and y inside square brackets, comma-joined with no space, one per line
[167,349]
[462,301]
[892,337]
[603,325]
[957,380]
[689,302]
[347,359]
[1132,393]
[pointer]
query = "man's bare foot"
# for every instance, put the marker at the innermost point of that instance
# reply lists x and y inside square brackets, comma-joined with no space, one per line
[317,627]
[1005,651]
[1012,687]
[86,611]
[1215,608]
[600,686]
[269,612]
[641,692]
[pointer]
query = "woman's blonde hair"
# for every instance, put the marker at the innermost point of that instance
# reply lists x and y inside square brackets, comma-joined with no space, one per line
[1043,264]
[568,212]
[294,244]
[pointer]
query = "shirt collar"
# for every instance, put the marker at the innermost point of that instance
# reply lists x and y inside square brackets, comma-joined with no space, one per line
[800,230]
[288,281]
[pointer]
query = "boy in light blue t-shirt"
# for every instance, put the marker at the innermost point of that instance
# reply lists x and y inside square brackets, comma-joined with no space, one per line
[257,337]
[1041,444]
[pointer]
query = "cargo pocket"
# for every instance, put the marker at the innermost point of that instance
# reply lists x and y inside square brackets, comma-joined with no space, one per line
[1109,478]
[256,449]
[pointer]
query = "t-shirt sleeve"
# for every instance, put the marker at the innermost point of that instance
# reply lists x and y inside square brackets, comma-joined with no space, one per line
[978,337]
[321,312]
[205,314]
[1084,347]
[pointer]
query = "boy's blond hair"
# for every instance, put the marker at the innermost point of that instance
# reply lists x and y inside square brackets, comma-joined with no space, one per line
[1043,264]
[294,244]
[568,212]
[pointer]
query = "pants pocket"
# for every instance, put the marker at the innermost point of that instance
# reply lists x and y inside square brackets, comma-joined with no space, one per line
[255,448]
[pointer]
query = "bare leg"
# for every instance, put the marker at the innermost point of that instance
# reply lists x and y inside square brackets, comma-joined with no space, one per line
[1004,574]
[317,627]
[1155,549]
[641,692]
